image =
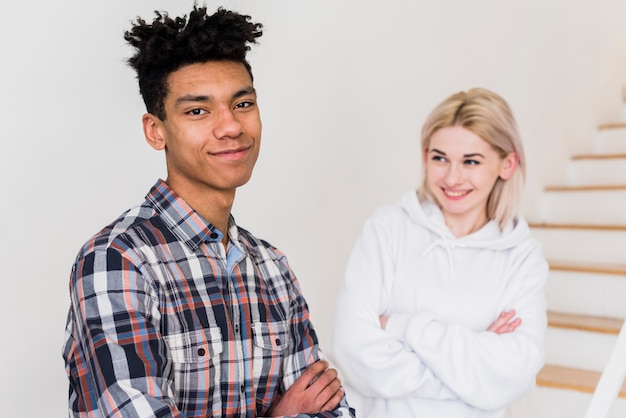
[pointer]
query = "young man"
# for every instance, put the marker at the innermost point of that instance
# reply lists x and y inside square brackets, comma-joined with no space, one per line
[175,310]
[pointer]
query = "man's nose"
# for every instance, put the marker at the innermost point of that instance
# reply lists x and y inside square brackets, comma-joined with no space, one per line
[227,125]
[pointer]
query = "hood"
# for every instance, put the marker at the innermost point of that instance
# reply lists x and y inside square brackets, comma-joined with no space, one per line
[428,215]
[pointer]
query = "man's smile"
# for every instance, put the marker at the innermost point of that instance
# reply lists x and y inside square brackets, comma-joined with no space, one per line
[232,154]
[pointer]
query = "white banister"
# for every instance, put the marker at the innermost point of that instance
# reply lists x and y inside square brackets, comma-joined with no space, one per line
[611,380]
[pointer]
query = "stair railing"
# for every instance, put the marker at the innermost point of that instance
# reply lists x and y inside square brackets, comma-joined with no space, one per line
[611,379]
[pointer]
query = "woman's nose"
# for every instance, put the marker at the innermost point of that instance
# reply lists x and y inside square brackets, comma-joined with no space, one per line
[454,175]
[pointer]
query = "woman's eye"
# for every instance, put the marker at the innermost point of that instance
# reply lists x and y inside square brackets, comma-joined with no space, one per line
[471,162]
[438,158]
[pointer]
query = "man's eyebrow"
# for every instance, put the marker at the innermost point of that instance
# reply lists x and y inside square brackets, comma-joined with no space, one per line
[244,92]
[194,98]
[189,98]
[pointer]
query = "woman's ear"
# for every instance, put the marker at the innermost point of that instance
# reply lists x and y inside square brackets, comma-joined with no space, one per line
[153,131]
[425,156]
[509,164]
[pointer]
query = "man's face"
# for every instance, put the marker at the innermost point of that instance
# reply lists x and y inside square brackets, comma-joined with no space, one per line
[212,131]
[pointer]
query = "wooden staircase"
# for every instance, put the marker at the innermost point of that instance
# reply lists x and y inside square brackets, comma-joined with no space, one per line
[584,322]
[571,378]
[583,230]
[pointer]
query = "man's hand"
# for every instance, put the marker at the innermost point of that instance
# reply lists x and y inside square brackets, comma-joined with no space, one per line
[505,323]
[317,390]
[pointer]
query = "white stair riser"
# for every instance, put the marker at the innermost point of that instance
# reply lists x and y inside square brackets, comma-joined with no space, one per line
[611,141]
[585,207]
[578,349]
[583,245]
[587,293]
[591,172]
[557,403]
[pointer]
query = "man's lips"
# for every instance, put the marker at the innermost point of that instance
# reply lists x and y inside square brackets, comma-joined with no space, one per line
[232,154]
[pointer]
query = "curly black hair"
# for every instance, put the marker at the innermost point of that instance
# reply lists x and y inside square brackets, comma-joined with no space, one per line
[171,43]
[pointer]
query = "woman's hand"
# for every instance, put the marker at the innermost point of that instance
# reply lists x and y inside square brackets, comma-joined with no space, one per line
[383,321]
[505,323]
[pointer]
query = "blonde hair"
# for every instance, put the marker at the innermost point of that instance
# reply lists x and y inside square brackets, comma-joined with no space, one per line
[489,116]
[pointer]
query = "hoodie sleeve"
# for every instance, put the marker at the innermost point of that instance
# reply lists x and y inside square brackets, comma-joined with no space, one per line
[373,361]
[484,369]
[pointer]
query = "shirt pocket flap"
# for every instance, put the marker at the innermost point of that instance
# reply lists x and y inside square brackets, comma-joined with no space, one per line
[271,335]
[195,346]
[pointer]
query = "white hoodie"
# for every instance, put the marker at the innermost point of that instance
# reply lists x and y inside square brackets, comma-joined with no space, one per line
[435,358]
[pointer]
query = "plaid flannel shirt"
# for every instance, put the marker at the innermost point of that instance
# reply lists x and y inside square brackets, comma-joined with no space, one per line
[165,323]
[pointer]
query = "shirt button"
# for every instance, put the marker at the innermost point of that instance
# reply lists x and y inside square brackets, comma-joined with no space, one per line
[201,352]
[277,341]
[243,389]
[214,235]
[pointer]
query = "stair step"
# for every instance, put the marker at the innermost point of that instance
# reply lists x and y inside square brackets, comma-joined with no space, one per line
[547,402]
[599,156]
[587,188]
[567,347]
[587,323]
[602,204]
[571,379]
[583,243]
[578,226]
[578,340]
[611,126]
[602,268]
[593,169]
[611,138]
[587,289]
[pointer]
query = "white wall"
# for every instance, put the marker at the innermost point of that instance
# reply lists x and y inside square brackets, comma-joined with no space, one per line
[344,87]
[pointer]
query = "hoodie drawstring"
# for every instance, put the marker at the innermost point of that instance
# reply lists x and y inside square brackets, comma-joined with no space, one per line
[446,245]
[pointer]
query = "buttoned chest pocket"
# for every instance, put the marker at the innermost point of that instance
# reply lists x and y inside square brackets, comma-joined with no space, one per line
[271,335]
[199,346]
[270,340]
[196,366]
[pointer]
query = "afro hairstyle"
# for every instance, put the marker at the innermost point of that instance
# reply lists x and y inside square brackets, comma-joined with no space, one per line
[168,44]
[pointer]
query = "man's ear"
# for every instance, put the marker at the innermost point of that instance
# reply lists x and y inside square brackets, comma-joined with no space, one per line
[153,131]
[511,162]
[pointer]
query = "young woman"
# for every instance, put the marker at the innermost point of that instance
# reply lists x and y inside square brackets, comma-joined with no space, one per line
[443,311]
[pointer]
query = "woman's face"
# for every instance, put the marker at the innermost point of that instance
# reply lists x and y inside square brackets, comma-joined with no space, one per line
[461,170]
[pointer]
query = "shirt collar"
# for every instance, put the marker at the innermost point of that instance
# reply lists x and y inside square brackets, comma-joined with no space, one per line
[182,220]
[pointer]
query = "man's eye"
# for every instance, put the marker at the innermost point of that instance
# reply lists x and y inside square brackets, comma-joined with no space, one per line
[197,112]
[243,105]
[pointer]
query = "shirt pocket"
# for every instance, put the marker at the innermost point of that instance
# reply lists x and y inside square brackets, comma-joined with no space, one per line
[198,346]
[271,342]
[196,359]
[271,335]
